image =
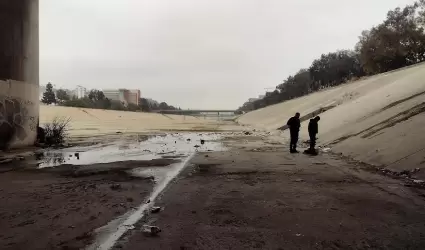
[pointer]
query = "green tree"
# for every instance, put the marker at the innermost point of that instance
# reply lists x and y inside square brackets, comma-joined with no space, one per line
[132,107]
[96,95]
[49,96]
[117,105]
[62,95]
[144,105]
[397,42]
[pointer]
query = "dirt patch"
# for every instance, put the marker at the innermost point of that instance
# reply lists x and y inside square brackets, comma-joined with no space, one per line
[108,168]
[50,211]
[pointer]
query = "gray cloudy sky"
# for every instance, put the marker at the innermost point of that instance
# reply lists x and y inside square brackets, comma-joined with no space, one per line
[195,53]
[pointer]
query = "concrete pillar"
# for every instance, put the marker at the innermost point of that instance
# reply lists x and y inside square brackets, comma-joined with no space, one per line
[19,72]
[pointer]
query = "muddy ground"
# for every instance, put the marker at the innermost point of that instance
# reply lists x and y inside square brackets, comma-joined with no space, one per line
[258,196]
[59,210]
[253,195]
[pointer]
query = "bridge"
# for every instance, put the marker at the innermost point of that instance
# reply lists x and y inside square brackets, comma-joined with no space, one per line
[19,86]
[195,111]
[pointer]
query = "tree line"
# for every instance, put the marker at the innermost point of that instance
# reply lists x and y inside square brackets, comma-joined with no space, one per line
[397,42]
[97,100]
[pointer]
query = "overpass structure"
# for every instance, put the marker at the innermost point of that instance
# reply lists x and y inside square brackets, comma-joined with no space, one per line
[19,72]
[195,111]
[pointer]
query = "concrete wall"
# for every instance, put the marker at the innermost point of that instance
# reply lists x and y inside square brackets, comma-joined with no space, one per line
[379,120]
[19,72]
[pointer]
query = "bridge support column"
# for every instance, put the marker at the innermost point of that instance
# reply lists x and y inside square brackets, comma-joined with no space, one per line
[19,72]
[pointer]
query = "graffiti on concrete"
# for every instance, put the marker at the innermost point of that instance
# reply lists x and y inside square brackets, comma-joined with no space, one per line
[13,120]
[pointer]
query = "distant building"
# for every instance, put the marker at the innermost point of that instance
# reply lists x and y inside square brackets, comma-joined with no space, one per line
[125,96]
[79,92]
[134,96]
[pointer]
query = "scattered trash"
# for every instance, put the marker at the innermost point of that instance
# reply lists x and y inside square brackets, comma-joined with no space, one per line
[418,181]
[155,210]
[197,146]
[325,150]
[298,235]
[130,227]
[116,186]
[77,155]
[151,230]
[247,133]
[202,142]
[19,158]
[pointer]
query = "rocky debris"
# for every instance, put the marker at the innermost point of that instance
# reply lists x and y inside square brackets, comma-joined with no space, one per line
[197,146]
[155,210]
[151,230]
[4,161]
[188,140]
[116,186]
[202,142]
[247,133]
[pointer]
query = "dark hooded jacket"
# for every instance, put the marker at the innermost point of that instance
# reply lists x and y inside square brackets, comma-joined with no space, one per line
[313,127]
[294,124]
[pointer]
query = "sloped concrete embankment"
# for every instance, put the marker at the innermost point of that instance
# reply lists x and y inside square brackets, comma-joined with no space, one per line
[379,120]
[90,122]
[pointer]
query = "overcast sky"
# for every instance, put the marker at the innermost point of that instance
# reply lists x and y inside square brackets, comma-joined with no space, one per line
[195,53]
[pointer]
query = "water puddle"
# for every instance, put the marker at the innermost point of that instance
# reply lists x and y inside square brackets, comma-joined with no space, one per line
[180,146]
[173,145]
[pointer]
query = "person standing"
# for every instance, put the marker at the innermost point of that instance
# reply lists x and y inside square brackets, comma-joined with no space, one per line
[294,125]
[313,129]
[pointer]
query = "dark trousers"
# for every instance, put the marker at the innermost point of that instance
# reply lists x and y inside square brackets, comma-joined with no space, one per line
[294,140]
[312,141]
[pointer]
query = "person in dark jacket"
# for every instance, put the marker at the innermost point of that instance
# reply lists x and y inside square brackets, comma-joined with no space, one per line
[294,125]
[313,129]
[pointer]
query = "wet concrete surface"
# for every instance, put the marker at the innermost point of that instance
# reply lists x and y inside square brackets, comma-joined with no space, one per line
[270,199]
[172,145]
[79,197]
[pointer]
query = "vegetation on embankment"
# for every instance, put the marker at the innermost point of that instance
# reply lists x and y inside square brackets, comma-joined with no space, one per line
[397,42]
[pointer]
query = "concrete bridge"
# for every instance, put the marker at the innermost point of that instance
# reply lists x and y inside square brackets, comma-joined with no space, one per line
[19,72]
[195,111]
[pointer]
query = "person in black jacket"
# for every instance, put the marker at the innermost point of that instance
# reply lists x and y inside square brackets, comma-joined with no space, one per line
[313,129]
[294,125]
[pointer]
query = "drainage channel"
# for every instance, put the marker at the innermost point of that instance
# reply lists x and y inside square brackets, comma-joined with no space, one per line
[181,147]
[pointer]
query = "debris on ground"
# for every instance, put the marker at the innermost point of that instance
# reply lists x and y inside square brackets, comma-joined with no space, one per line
[299,180]
[155,210]
[4,161]
[247,133]
[202,142]
[325,150]
[116,186]
[151,230]
[197,146]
